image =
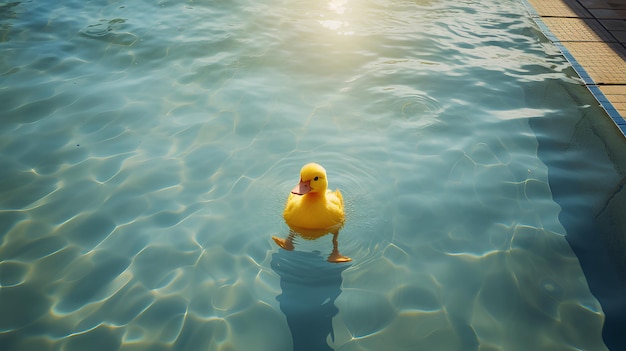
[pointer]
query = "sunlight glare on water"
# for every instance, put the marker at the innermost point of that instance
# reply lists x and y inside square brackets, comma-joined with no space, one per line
[148,147]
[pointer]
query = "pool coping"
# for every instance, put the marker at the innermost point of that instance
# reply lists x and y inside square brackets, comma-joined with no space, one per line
[571,10]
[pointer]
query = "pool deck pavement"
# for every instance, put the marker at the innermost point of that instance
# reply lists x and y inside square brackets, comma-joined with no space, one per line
[592,36]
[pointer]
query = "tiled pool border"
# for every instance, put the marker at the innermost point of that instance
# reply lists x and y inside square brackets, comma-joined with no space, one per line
[619,121]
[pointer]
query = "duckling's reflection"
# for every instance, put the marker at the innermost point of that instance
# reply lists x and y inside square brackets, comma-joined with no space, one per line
[309,286]
[312,234]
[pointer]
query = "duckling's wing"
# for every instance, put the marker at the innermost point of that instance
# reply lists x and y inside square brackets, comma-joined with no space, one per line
[339,196]
[337,201]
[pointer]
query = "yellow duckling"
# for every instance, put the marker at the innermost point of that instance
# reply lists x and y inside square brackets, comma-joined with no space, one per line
[312,210]
[311,205]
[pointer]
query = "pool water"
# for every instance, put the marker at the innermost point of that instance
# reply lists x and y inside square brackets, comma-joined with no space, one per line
[148,147]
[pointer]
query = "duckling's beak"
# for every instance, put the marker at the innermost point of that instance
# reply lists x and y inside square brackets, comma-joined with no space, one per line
[302,188]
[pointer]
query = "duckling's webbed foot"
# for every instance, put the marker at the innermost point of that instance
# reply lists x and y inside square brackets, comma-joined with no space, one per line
[286,244]
[336,257]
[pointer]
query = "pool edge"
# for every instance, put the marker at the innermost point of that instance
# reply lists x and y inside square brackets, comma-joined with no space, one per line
[591,85]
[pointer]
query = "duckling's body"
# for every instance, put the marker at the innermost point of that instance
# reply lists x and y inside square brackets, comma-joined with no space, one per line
[311,205]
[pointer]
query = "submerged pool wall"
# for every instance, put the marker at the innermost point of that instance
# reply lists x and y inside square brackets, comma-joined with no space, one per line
[588,184]
[596,230]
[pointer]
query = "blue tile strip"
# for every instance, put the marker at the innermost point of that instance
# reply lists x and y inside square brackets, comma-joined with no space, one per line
[580,70]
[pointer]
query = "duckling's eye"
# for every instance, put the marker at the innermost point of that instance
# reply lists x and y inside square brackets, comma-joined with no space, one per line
[316,178]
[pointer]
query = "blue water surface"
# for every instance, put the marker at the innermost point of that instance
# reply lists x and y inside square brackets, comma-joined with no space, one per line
[147,148]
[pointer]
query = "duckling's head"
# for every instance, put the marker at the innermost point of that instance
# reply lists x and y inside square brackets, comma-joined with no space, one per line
[312,180]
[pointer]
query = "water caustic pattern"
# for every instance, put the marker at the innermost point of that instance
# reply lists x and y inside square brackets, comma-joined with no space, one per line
[148,147]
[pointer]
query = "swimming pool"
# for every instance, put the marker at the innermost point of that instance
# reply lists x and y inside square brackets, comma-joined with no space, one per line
[148,147]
